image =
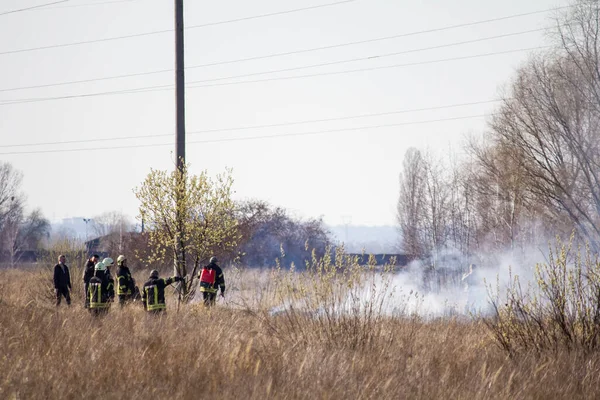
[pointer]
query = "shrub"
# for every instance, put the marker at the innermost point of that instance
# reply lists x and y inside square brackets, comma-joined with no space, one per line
[558,310]
[335,300]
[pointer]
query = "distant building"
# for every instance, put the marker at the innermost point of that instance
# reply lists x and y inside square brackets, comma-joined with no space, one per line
[113,243]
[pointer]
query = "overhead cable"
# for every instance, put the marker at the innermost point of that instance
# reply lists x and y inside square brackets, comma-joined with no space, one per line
[113,38]
[372,57]
[100,3]
[246,138]
[379,114]
[32,7]
[190,85]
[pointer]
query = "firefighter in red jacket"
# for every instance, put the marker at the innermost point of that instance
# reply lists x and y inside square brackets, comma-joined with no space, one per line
[211,280]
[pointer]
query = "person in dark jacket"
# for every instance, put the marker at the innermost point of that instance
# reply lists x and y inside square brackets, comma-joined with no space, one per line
[153,294]
[211,279]
[101,290]
[62,281]
[126,289]
[88,273]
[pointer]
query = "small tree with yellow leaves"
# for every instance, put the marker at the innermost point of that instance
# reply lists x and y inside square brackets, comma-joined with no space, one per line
[188,219]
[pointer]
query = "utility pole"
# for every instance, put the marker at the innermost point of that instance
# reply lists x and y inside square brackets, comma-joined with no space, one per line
[180,86]
[180,269]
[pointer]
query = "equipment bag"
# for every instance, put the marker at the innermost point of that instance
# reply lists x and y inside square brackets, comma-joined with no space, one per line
[208,276]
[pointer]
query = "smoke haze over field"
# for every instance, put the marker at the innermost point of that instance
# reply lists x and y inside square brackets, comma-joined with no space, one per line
[492,278]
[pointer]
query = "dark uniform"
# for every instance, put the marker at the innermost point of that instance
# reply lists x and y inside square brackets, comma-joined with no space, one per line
[211,279]
[62,283]
[153,294]
[101,292]
[88,273]
[125,285]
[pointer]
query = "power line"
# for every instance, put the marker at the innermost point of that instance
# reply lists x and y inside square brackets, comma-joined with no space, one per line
[100,3]
[293,52]
[87,80]
[326,64]
[340,130]
[269,14]
[275,136]
[55,46]
[371,40]
[33,7]
[365,69]
[302,51]
[380,114]
[281,70]
[155,88]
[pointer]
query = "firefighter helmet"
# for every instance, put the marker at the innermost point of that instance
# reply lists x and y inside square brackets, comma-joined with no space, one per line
[100,266]
[213,260]
[120,259]
[154,274]
[108,261]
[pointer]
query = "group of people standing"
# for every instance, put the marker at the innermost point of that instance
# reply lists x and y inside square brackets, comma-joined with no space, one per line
[99,285]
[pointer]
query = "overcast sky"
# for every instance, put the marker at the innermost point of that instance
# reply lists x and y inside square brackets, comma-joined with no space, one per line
[347,174]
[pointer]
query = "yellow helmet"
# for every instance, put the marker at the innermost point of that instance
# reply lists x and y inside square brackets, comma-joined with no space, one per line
[120,259]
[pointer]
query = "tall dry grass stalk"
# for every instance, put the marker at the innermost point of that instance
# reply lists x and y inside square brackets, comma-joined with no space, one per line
[240,350]
[558,311]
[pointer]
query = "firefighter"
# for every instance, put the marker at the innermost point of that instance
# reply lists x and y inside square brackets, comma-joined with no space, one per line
[211,279]
[101,290]
[126,289]
[108,262]
[88,273]
[153,293]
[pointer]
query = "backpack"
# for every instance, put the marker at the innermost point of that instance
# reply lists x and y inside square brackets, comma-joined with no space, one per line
[208,276]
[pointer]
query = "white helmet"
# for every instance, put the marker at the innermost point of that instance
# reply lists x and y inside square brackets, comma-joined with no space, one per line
[120,259]
[108,261]
[100,266]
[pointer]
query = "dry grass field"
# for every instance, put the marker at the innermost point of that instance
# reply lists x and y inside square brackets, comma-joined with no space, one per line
[237,350]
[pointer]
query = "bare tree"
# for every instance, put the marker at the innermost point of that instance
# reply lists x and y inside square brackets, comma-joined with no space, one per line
[550,124]
[506,211]
[411,200]
[462,221]
[266,231]
[112,227]
[24,233]
[111,222]
[435,217]
[11,199]
[18,231]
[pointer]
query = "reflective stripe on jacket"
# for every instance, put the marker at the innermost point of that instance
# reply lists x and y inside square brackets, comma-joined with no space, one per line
[124,281]
[99,293]
[153,294]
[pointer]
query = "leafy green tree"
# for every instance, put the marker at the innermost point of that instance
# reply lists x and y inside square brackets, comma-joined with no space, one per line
[188,219]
